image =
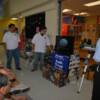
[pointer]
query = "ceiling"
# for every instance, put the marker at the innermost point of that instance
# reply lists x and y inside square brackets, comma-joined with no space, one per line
[77,6]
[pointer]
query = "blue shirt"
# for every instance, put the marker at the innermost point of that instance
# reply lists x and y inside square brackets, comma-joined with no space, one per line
[96,56]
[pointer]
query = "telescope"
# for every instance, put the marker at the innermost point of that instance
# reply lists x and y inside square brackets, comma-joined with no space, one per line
[86,61]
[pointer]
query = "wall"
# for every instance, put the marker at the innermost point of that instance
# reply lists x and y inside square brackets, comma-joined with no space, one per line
[21,24]
[17,6]
[51,18]
[90,30]
[4,25]
[6,9]
[91,20]
[51,24]
[25,8]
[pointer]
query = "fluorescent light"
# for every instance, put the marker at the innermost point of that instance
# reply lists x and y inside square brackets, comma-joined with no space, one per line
[66,10]
[14,18]
[81,14]
[77,14]
[84,14]
[21,17]
[92,3]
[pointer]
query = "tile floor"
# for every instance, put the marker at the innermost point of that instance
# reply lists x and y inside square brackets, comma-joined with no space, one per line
[42,89]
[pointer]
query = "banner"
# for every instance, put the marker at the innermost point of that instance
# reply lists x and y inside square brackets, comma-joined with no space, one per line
[60,62]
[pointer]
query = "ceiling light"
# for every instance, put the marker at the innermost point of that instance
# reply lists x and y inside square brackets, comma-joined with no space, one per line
[14,18]
[83,13]
[66,10]
[21,17]
[76,14]
[92,3]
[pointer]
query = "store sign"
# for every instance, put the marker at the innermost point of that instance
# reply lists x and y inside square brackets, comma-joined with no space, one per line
[60,62]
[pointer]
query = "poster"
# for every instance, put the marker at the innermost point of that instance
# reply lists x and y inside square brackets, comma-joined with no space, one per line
[60,62]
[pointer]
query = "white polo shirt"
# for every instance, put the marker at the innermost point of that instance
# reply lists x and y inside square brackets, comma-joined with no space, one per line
[11,40]
[40,43]
[96,56]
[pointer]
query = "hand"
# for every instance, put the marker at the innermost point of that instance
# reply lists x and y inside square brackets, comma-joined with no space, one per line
[19,97]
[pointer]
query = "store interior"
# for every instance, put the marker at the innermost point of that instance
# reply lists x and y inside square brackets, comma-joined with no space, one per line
[78,20]
[82,22]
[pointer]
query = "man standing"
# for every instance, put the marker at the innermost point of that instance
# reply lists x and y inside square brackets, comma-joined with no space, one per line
[11,39]
[96,82]
[40,43]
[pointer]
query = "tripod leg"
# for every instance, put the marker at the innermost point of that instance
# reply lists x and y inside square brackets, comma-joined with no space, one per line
[85,69]
[81,83]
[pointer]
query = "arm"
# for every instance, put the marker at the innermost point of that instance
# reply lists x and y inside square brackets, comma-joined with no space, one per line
[48,45]
[19,39]
[5,47]
[4,41]
[33,46]
[97,52]
[49,48]
[33,42]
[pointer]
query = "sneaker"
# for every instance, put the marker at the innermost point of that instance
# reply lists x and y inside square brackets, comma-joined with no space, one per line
[33,70]
[18,68]
[41,69]
[9,68]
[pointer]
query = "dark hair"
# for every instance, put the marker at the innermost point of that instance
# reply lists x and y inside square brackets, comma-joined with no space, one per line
[10,25]
[3,80]
[43,28]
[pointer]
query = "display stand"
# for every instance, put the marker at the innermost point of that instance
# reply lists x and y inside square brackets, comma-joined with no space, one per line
[57,70]
[61,65]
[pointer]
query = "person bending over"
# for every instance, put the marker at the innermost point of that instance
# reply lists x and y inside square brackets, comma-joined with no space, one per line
[5,86]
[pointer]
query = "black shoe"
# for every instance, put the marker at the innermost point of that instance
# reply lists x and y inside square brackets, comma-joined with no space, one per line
[33,70]
[41,69]
[9,68]
[18,68]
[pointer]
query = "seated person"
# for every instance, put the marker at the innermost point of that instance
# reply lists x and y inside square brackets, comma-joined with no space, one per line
[5,86]
[9,74]
[15,84]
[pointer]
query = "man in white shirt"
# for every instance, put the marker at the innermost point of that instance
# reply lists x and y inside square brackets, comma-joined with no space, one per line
[40,43]
[96,82]
[96,56]
[11,40]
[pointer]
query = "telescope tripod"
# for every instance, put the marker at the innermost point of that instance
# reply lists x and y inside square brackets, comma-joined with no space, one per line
[84,71]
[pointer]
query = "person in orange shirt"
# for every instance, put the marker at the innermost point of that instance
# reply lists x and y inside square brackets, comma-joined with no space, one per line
[22,40]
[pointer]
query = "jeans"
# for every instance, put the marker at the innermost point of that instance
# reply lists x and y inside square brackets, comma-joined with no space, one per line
[38,59]
[13,53]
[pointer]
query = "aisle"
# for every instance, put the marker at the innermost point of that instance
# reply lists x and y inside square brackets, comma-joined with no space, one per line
[42,89]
